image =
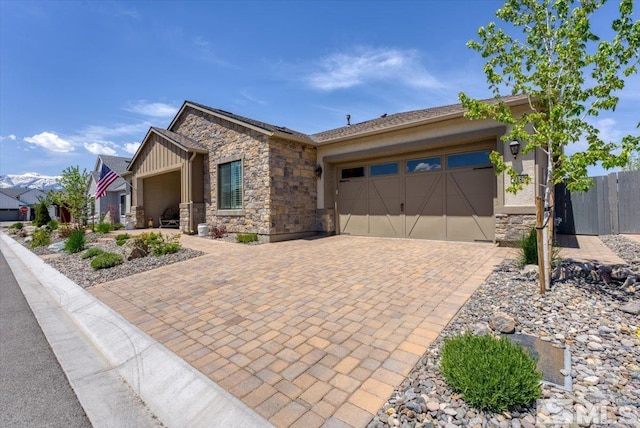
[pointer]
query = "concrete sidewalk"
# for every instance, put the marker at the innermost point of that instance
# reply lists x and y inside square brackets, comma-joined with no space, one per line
[121,376]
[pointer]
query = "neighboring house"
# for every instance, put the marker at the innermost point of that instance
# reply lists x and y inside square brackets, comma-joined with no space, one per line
[25,197]
[419,174]
[10,206]
[118,197]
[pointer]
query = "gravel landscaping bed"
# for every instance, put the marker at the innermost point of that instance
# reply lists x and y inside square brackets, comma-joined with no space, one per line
[581,312]
[81,272]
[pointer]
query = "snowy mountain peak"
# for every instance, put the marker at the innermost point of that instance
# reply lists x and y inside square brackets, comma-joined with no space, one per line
[30,180]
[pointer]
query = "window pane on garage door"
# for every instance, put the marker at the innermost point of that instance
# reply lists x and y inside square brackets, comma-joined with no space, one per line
[425,164]
[466,160]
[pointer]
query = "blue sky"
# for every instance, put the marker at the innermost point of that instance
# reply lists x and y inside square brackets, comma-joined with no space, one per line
[78,78]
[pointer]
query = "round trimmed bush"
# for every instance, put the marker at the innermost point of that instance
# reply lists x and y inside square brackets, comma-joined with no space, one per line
[92,252]
[106,260]
[490,374]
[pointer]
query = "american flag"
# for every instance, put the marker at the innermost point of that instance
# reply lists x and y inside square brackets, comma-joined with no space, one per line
[107,177]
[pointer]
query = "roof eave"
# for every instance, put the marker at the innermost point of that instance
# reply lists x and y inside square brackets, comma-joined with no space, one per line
[441,118]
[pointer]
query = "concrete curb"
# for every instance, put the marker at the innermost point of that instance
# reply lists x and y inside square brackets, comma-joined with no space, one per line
[178,394]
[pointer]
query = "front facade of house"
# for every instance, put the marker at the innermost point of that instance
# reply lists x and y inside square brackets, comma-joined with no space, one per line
[117,201]
[12,199]
[423,174]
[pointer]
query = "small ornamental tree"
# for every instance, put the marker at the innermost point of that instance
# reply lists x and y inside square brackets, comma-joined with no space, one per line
[569,74]
[73,195]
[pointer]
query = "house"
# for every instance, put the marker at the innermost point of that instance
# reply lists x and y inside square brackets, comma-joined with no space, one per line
[118,198]
[420,174]
[9,211]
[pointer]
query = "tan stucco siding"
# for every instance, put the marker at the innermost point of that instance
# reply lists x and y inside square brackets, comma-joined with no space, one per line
[293,187]
[227,142]
[161,192]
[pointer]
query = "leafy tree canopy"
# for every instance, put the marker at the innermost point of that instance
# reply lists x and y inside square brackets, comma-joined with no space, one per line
[568,73]
[74,192]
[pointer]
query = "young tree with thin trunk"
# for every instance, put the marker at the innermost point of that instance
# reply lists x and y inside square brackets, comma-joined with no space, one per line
[569,75]
[73,195]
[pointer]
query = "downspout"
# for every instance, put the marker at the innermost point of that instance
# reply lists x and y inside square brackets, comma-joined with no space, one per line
[190,184]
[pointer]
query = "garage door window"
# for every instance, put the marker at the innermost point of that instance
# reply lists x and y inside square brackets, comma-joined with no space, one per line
[383,169]
[467,160]
[356,172]
[425,164]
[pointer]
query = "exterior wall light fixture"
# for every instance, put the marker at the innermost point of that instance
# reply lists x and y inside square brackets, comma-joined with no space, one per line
[514,147]
[319,171]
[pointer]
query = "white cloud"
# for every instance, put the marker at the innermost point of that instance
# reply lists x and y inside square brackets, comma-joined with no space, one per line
[10,137]
[104,133]
[364,65]
[50,141]
[100,148]
[131,147]
[156,110]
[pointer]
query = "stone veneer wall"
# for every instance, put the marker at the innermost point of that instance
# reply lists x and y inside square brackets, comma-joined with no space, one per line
[137,215]
[227,140]
[293,187]
[198,216]
[326,220]
[511,227]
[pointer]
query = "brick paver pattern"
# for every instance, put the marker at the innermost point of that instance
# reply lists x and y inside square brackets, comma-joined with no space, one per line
[306,332]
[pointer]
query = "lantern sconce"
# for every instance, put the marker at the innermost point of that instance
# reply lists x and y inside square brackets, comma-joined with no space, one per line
[514,147]
[318,171]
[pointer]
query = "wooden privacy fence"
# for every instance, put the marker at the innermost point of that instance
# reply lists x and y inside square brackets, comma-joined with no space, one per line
[611,206]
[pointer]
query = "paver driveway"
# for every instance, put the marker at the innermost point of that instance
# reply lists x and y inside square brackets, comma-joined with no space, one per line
[306,332]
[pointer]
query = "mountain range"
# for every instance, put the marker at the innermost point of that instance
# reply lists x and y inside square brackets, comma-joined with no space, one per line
[30,180]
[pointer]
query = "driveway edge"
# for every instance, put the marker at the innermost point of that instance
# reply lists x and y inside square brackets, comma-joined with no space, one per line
[177,393]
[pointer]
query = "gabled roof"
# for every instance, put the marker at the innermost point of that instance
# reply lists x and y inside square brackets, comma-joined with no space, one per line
[256,125]
[117,164]
[403,120]
[180,140]
[14,192]
[185,143]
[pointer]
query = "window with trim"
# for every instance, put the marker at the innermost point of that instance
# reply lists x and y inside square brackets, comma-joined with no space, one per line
[230,185]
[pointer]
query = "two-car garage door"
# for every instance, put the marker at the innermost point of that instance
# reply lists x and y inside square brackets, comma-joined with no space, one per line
[444,197]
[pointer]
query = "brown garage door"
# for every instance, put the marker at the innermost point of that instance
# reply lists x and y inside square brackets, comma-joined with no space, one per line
[444,197]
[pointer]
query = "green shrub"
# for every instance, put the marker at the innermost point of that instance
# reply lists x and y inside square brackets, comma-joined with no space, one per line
[75,242]
[245,238]
[103,228]
[42,214]
[40,238]
[164,244]
[19,225]
[528,249]
[118,226]
[53,225]
[122,238]
[106,260]
[92,252]
[491,374]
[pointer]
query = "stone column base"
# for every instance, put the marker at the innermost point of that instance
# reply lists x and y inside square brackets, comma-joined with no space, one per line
[511,227]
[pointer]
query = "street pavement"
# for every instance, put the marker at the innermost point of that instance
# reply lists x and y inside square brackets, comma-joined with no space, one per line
[34,391]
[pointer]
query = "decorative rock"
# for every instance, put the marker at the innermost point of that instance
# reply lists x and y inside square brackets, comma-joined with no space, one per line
[502,323]
[414,407]
[433,406]
[591,380]
[594,346]
[632,308]
[56,247]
